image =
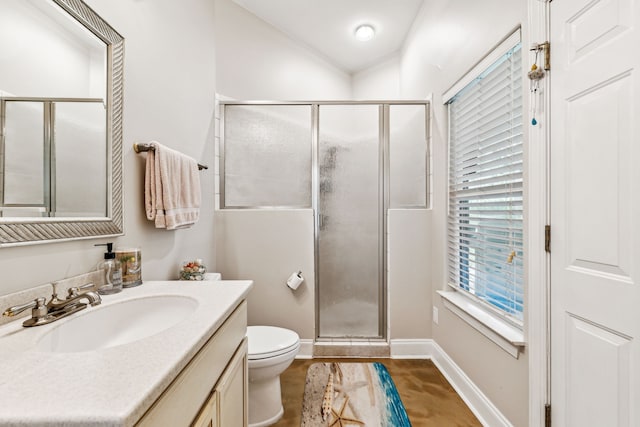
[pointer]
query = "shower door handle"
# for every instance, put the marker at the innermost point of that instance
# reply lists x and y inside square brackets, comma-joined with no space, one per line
[321,221]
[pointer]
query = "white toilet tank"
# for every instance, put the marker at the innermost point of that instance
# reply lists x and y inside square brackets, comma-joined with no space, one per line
[212,276]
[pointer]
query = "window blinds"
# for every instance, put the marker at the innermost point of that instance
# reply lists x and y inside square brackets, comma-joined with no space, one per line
[485,225]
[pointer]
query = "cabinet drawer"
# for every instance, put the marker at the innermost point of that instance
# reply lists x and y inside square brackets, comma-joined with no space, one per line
[182,400]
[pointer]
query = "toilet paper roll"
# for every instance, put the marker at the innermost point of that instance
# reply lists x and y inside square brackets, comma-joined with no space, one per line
[295,280]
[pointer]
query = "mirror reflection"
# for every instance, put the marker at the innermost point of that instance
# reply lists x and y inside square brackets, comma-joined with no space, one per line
[53,114]
[47,53]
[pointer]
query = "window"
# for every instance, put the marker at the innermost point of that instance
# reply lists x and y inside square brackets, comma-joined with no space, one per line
[485,222]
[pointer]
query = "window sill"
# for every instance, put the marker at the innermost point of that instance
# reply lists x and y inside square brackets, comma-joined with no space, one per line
[507,336]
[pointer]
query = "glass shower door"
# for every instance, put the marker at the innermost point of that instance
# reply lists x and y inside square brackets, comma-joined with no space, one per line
[349,222]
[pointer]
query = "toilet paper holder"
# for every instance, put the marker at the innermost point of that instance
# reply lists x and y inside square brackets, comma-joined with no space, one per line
[295,280]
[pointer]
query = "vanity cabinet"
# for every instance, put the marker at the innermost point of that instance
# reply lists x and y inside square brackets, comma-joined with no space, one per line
[232,391]
[208,416]
[227,404]
[212,389]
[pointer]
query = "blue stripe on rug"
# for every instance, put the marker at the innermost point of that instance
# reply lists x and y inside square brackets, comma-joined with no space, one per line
[396,414]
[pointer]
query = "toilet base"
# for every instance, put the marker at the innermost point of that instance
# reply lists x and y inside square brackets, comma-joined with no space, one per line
[270,421]
[265,402]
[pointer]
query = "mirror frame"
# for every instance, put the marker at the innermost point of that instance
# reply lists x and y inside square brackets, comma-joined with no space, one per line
[25,231]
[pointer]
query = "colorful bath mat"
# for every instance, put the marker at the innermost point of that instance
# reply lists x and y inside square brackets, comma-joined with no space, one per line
[351,394]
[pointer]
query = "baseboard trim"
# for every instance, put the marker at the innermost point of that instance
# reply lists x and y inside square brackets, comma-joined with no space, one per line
[306,349]
[411,349]
[476,400]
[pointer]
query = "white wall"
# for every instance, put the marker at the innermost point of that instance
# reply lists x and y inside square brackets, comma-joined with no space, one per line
[266,246]
[256,61]
[448,38]
[409,267]
[42,58]
[169,97]
[382,81]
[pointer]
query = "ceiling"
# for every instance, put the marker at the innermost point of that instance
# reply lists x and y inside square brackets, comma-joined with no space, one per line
[327,26]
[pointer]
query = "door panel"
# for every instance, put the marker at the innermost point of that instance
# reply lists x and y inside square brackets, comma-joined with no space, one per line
[349,231]
[597,356]
[595,213]
[596,243]
[594,24]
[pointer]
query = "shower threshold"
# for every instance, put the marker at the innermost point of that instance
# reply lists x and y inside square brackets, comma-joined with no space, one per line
[344,347]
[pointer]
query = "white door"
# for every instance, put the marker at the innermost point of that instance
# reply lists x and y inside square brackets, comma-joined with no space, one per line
[595,220]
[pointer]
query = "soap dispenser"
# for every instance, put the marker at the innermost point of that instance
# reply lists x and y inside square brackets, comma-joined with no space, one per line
[110,267]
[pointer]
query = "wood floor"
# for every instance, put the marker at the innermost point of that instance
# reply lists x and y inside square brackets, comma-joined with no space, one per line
[427,396]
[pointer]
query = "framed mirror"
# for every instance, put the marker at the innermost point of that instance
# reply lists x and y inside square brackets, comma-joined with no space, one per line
[61,89]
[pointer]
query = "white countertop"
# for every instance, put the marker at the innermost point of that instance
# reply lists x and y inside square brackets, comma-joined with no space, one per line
[112,386]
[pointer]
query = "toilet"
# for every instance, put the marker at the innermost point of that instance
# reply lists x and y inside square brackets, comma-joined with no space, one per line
[271,351]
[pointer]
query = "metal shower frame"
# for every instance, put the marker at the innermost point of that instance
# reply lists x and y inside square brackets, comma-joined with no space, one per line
[383,191]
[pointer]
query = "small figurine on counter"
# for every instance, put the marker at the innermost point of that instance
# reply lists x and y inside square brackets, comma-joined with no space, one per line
[192,270]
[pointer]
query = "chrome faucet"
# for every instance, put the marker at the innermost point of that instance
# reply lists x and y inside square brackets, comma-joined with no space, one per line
[55,309]
[73,297]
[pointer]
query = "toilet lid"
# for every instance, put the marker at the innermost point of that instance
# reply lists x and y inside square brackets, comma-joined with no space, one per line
[270,341]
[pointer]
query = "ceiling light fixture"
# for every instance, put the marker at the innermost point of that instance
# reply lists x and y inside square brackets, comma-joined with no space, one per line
[364,32]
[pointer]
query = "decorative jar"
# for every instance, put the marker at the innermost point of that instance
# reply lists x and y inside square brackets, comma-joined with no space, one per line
[192,270]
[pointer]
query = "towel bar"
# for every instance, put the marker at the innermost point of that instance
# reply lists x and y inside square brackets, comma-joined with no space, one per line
[139,147]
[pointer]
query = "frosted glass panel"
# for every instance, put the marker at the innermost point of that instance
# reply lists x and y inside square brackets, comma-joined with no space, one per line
[267,155]
[349,221]
[80,141]
[24,154]
[408,156]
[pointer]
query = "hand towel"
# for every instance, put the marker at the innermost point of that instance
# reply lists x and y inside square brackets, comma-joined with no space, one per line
[171,188]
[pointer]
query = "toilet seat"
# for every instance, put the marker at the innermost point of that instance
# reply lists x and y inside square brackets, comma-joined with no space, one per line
[270,341]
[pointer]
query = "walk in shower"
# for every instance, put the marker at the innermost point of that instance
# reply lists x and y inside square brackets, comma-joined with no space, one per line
[350,162]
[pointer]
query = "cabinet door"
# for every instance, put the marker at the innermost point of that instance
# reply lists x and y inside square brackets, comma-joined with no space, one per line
[208,416]
[232,391]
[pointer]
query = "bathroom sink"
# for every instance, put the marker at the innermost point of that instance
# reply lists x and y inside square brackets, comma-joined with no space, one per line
[116,324]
